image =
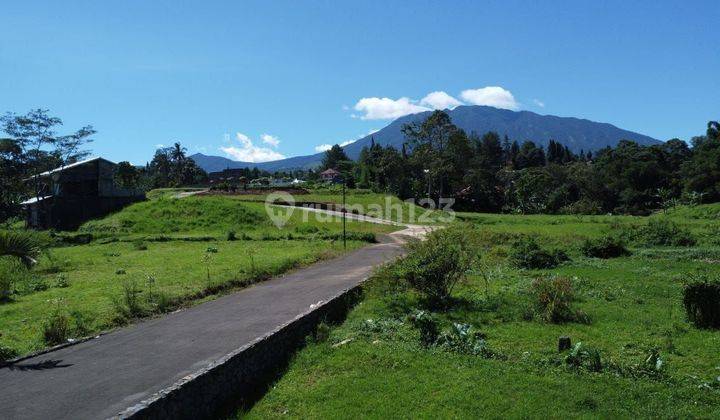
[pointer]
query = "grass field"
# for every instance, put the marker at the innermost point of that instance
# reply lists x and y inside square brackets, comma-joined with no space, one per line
[155,256]
[373,365]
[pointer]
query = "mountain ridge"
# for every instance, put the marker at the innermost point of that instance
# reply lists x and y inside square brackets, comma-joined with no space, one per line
[576,133]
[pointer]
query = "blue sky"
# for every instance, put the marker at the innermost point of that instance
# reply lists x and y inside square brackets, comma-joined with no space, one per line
[260,80]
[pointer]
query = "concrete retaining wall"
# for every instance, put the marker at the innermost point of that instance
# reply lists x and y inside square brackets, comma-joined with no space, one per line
[243,376]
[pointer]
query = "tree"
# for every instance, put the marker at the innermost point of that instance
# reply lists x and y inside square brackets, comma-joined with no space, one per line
[36,147]
[127,176]
[429,140]
[333,157]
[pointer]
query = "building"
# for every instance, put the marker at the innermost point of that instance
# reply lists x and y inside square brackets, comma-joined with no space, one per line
[331,175]
[73,194]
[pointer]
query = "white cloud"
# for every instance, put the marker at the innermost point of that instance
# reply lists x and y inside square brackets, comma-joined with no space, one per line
[386,108]
[323,147]
[273,141]
[439,100]
[491,96]
[249,152]
[539,103]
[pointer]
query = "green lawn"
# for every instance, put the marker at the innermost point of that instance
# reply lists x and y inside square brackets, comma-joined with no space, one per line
[634,305]
[162,249]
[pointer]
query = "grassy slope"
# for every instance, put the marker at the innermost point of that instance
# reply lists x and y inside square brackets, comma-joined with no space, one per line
[177,265]
[374,204]
[634,303]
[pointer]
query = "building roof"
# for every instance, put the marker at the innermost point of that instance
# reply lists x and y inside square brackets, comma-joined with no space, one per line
[330,171]
[34,200]
[72,165]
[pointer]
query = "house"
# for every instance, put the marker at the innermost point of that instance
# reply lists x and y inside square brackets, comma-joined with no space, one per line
[70,195]
[331,175]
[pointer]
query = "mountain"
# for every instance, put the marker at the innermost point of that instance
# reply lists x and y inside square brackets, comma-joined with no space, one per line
[578,134]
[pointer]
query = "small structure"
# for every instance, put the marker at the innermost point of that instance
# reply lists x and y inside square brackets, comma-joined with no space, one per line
[72,194]
[331,175]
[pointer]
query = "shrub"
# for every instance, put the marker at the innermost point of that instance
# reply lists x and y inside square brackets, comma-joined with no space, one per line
[140,245]
[231,236]
[702,303]
[81,323]
[606,247]
[664,232]
[56,328]
[322,333]
[552,299]
[433,267]
[527,253]
[427,324]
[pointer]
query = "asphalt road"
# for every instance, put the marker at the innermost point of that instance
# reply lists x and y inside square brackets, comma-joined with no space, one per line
[101,377]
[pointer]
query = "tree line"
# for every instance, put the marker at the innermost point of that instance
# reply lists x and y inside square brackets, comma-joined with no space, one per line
[494,174]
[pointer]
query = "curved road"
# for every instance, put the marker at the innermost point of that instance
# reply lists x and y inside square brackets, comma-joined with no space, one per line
[100,378]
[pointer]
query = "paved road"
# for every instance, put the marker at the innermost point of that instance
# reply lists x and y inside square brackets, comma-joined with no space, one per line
[102,377]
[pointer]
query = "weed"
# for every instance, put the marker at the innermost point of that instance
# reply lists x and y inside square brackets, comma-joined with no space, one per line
[62,281]
[552,299]
[56,328]
[139,245]
[427,324]
[231,236]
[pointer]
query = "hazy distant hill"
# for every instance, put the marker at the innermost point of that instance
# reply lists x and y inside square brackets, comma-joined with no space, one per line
[578,134]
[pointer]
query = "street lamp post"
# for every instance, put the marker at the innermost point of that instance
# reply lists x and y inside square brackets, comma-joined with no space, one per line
[343,213]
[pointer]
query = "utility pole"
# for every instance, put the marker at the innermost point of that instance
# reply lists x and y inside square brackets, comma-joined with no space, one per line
[343,212]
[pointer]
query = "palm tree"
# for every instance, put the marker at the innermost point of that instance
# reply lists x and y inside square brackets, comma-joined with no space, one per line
[22,245]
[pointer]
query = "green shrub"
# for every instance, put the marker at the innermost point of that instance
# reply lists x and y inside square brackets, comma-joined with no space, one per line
[606,247]
[139,245]
[322,333]
[552,299]
[56,328]
[702,303]
[664,232]
[231,236]
[433,267]
[427,325]
[527,253]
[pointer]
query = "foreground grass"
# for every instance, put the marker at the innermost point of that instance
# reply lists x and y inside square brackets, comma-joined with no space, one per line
[634,304]
[98,273]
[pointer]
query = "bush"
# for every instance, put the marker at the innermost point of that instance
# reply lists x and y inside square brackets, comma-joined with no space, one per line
[664,232]
[552,299]
[231,236]
[526,253]
[56,328]
[702,303]
[433,267]
[585,357]
[462,338]
[427,324]
[130,304]
[606,247]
